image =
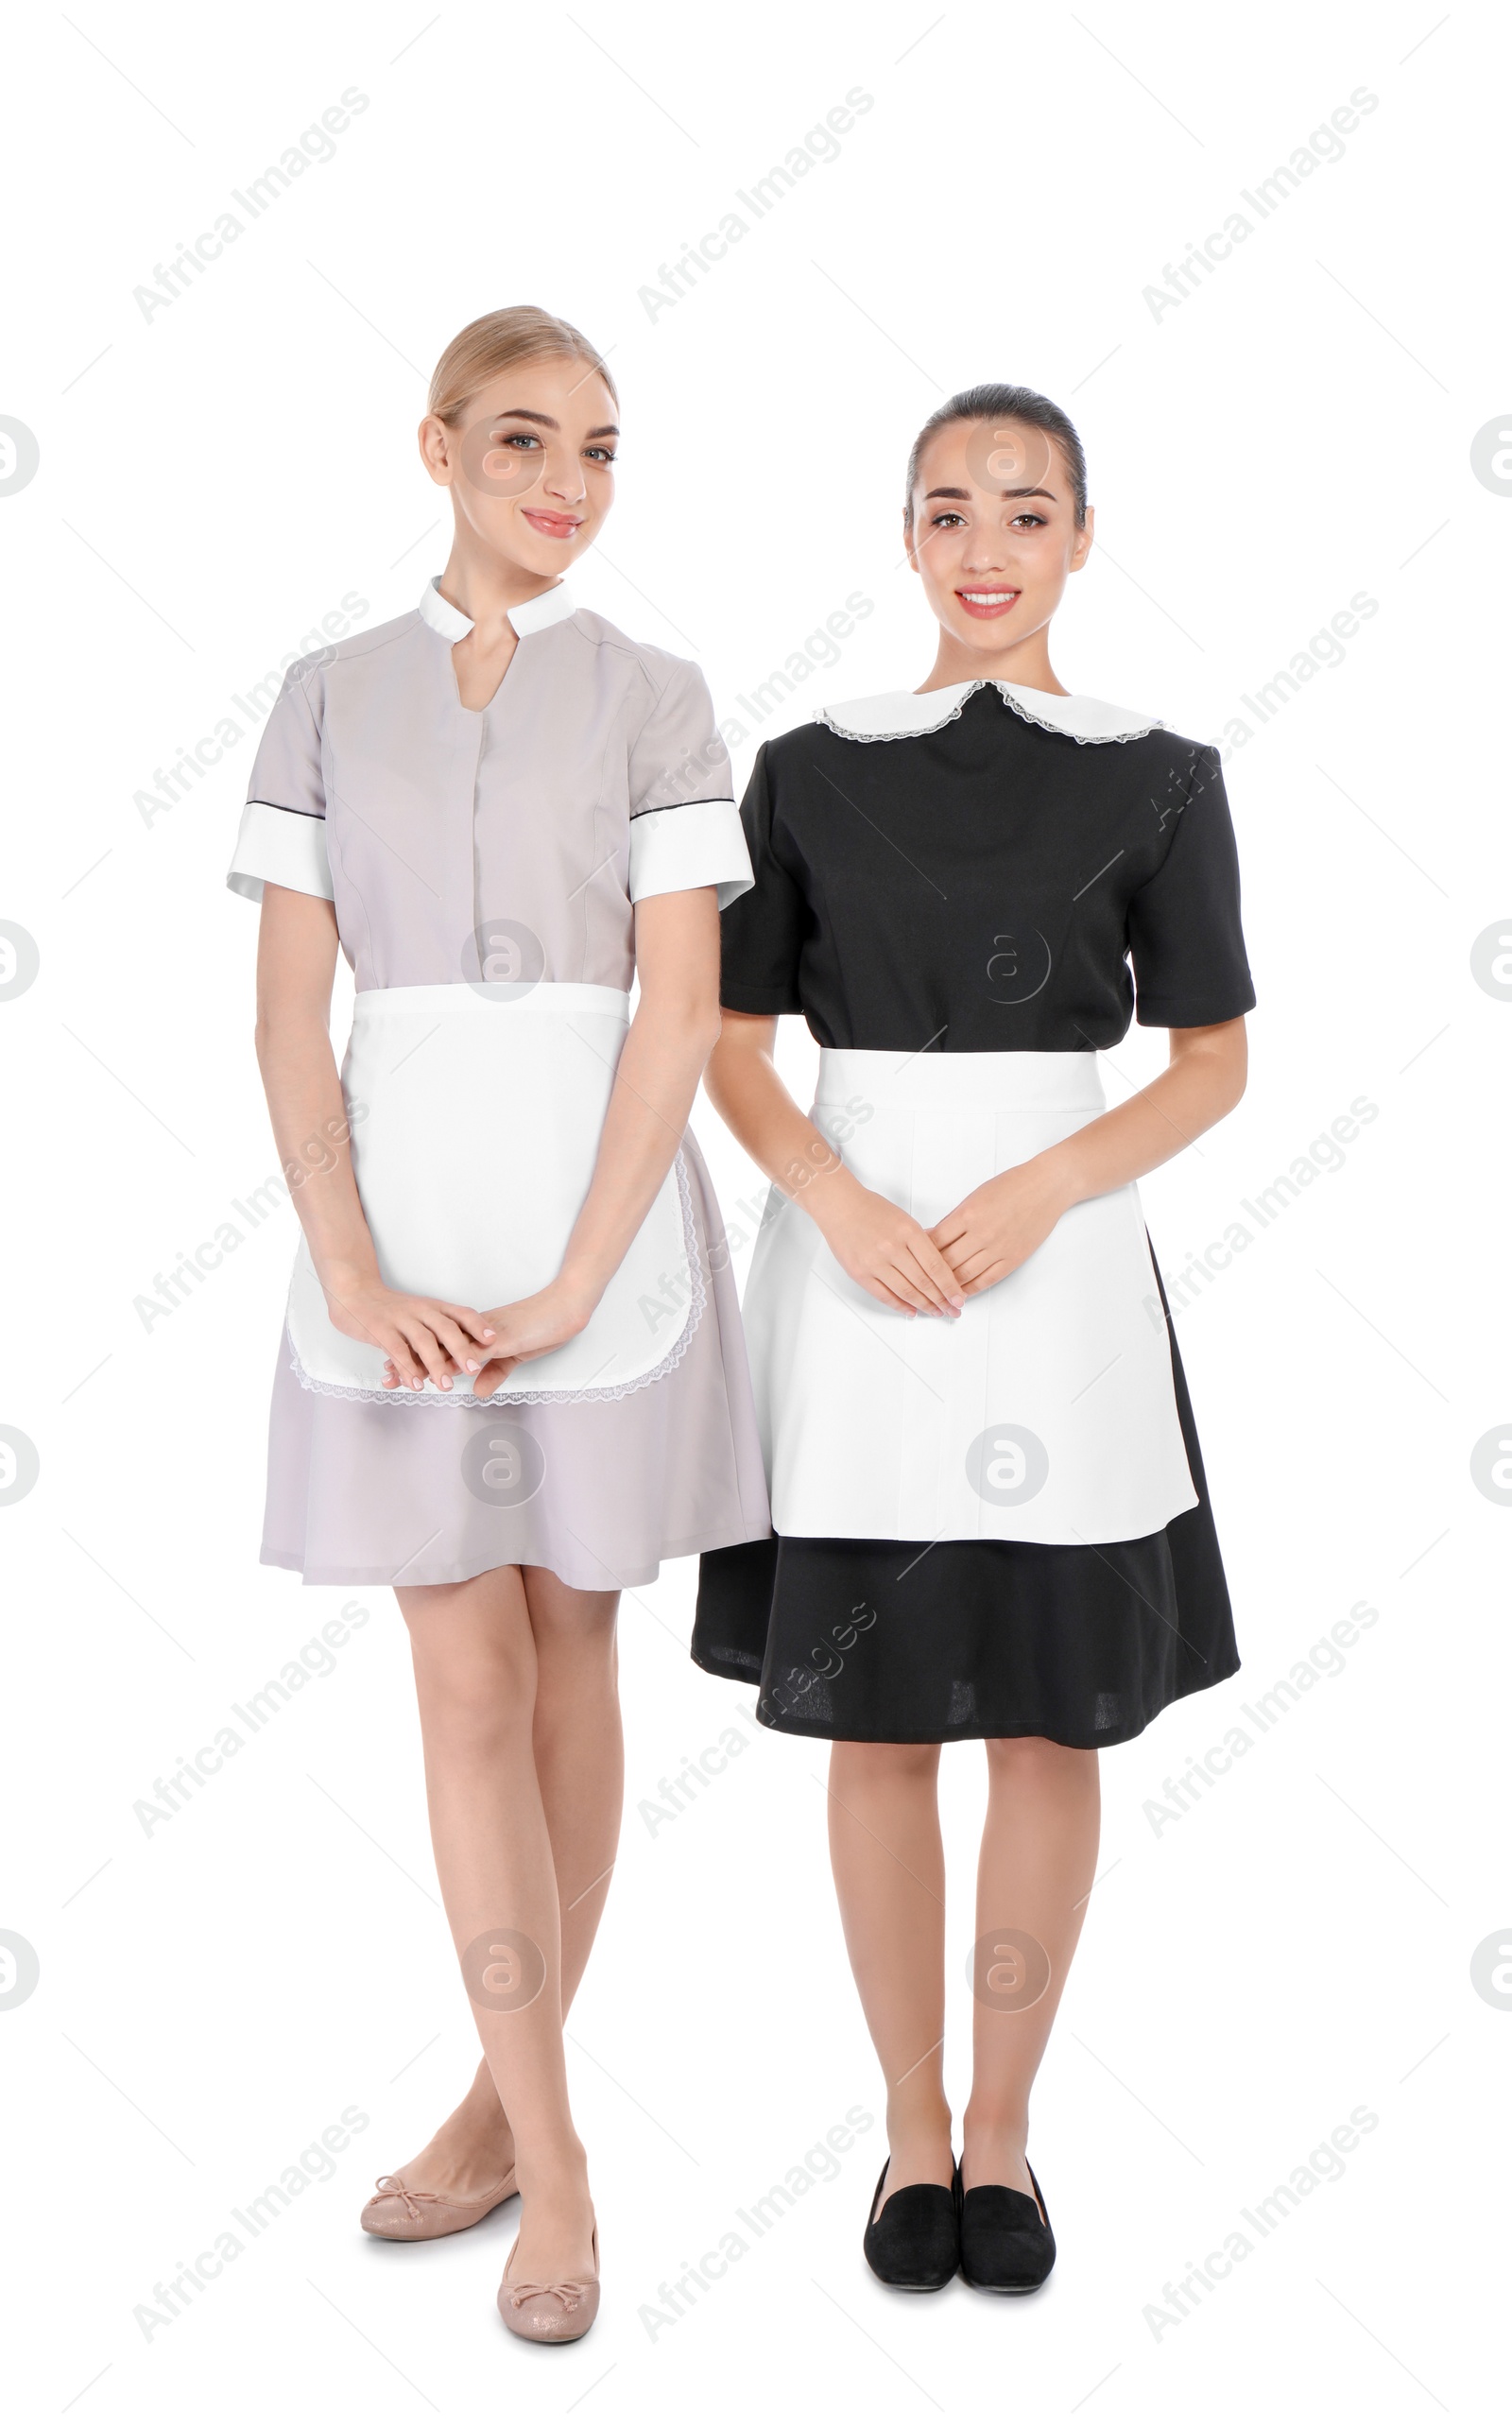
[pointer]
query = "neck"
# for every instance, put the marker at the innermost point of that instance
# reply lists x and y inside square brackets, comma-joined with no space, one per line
[485,585]
[1025,661]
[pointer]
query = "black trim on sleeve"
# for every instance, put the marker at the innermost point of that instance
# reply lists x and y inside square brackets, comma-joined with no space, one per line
[705,800]
[257,803]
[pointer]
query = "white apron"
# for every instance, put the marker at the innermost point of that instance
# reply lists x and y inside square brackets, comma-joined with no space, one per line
[475,1113]
[1046,1412]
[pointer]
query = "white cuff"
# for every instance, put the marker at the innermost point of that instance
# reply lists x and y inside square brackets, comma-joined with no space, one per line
[280,847]
[700,843]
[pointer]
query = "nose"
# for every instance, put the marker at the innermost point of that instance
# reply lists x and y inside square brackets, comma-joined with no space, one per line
[564,478]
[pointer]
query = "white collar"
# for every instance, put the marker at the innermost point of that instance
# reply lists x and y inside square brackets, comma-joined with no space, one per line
[899,715]
[533,616]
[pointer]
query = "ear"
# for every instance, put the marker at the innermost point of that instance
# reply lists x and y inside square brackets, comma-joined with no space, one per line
[909,540]
[1082,546]
[436,450]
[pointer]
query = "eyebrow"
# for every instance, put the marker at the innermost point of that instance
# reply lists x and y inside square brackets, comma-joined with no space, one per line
[523,413]
[1003,493]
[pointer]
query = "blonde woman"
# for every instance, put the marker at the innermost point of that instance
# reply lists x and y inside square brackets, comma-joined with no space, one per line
[512,1379]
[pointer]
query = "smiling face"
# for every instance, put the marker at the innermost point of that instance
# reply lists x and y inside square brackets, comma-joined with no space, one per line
[994,536]
[529,463]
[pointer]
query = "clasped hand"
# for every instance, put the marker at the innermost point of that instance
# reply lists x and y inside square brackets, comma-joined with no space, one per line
[989,1235]
[426,1339]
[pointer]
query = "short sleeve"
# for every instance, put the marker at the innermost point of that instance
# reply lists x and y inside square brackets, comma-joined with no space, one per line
[281,840]
[762,936]
[1185,939]
[685,830]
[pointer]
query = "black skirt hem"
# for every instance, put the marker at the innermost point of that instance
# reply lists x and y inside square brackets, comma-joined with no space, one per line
[877,1642]
[746,1674]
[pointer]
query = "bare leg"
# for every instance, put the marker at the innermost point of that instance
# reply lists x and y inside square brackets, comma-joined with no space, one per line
[579,1745]
[579,1752]
[476,1674]
[889,1875]
[1038,1857]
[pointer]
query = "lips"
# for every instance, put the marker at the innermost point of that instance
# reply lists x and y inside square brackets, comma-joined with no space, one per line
[988,602]
[553,527]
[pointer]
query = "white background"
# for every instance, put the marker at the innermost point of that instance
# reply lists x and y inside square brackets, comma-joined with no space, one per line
[213,479]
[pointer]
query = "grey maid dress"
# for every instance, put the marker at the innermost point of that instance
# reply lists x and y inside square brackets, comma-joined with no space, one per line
[483,865]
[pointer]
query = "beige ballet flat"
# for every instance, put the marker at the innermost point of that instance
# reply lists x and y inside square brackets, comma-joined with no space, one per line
[400,2216]
[550,2314]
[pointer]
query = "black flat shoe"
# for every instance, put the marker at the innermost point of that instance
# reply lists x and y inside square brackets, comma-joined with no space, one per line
[913,2244]
[1007,2245]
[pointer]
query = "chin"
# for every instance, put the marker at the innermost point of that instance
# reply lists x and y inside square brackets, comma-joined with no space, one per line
[987,640]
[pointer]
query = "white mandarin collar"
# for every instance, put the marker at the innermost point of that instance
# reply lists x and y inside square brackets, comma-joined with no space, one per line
[899,715]
[534,615]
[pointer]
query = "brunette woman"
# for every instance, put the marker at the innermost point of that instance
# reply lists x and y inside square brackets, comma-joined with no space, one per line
[512,1379]
[989,1510]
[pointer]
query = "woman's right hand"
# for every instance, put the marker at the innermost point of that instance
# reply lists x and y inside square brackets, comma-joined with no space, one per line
[421,1338]
[885,1250]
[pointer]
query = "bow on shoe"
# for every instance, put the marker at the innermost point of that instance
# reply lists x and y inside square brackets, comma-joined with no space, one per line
[568,2290]
[393,2188]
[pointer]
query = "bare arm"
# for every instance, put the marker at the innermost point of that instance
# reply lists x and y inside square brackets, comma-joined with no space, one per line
[884,1248]
[677,1018]
[991,1233]
[295,963]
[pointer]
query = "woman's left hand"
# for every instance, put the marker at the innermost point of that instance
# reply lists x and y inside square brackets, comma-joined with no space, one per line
[529,1328]
[994,1230]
